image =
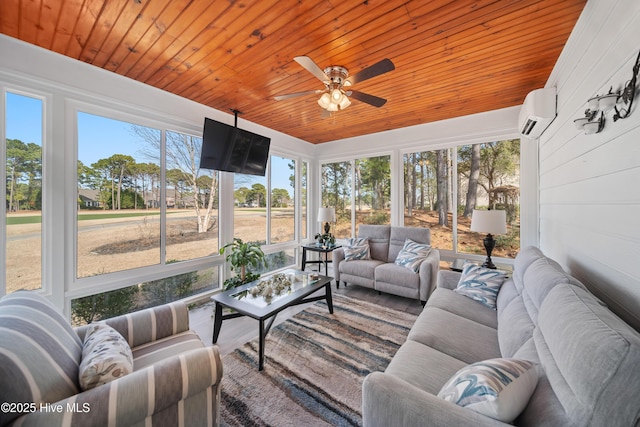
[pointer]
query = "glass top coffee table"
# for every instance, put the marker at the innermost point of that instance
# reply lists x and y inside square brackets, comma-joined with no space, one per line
[265,298]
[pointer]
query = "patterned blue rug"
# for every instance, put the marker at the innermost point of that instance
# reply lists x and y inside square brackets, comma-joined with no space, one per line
[315,363]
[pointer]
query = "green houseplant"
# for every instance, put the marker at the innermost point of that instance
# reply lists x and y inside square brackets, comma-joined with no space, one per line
[242,256]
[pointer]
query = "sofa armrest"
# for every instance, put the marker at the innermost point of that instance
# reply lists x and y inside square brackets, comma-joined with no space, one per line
[429,274]
[448,279]
[389,401]
[134,398]
[337,256]
[151,324]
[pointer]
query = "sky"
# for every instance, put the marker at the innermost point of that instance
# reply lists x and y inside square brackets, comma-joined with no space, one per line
[100,137]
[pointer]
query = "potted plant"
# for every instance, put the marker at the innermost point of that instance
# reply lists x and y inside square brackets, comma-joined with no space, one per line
[242,256]
[325,239]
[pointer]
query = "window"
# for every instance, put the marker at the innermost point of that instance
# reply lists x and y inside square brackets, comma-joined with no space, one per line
[489,178]
[427,194]
[249,217]
[118,195]
[304,179]
[23,205]
[336,193]
[137,297]
[373,190]
[283,184]
[192,201]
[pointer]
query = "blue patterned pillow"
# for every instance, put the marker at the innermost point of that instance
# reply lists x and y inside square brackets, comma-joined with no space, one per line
[497,388]
[412,254]
[357,241]
[357,249]
[480,284]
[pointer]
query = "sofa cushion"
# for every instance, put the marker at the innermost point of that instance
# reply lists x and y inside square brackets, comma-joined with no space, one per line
[106,356]
[523,260]
[399,235]
[448,300]
[480,284]
[412,255]
[455,335]
[362,268]
[423,366]
[155,351]
[397,275]
[378,237]
[497,388]
[541,276]
[357,252]
[591,357]
[39,352]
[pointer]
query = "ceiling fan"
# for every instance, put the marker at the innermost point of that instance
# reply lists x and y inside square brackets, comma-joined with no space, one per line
[337,83]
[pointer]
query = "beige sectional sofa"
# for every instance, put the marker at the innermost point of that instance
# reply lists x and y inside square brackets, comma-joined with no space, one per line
[380,272]
[175,378]
[588,360]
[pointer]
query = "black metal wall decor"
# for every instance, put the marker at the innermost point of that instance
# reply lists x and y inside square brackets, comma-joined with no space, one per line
[620,101]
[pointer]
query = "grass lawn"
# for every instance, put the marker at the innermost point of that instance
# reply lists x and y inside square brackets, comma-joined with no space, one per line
[37,219]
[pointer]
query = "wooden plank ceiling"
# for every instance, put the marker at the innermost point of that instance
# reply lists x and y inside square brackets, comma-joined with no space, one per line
[452,57]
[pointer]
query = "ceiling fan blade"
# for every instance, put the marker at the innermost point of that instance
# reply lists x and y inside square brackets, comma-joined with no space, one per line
[365,97]
[376,69]
[295,95]
[308,64]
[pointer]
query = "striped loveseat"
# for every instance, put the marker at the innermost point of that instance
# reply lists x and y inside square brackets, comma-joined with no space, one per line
[175,379]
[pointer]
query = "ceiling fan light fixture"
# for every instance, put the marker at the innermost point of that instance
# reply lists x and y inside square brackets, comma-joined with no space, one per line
[336,95]
[332,107]
[324,101]
[345,102]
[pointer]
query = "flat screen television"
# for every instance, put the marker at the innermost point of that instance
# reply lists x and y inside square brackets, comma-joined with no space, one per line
[231,149]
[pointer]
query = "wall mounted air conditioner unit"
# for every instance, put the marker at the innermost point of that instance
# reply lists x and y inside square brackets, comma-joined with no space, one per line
[537,113]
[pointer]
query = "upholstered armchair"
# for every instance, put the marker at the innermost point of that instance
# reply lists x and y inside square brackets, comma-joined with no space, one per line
[175,378]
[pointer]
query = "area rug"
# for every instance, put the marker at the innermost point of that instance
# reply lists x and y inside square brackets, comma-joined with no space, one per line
[315,363]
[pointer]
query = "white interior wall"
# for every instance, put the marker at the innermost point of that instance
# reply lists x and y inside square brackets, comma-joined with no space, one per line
[590,184]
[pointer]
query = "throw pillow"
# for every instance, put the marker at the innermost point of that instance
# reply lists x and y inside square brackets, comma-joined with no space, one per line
[412,254]
[106,355]
[352,253]
[480,284]
[497,388]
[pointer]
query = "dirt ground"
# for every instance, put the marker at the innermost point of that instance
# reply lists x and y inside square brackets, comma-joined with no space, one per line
[108,245]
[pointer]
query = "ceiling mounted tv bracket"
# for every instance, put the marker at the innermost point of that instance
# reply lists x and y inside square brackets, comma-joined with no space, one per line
[235,115]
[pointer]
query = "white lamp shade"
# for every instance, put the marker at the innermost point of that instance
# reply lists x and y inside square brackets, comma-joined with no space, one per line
[326,214]
[492,222]
[324,100]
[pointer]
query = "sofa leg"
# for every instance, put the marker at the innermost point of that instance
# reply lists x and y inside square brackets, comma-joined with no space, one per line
[423,303]
[379,292]
[337,284]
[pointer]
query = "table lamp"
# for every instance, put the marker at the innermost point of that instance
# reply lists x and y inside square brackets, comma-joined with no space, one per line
[490,222]
[326,215]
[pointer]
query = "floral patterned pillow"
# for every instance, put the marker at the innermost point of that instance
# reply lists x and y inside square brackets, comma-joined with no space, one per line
[106,356]
[497,388]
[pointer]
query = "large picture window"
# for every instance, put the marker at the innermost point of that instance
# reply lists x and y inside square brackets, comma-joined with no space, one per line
[283,184]
[336,193]
[118,195]
[489,178]
[428,200]
[249,217]
[373,190]
[192,200]
[23,204]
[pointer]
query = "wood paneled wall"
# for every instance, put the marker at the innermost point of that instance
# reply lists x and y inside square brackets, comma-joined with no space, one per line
[590,184]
